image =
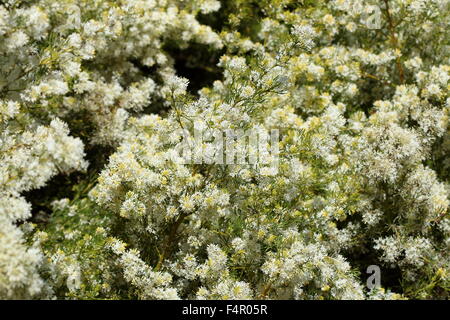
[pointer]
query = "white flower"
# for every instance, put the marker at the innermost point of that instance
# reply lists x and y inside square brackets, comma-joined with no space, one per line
[17,40]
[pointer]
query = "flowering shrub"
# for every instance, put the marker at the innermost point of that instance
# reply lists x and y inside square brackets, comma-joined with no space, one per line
[96,200]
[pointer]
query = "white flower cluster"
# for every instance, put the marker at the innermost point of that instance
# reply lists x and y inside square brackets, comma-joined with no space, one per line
[43,47]
[357,90]
[28,159]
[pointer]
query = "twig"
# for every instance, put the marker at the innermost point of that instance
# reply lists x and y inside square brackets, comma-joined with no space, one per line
[394,41]
[170,238]
[265,291]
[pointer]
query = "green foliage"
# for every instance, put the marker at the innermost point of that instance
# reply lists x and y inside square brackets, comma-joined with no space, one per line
[96,98]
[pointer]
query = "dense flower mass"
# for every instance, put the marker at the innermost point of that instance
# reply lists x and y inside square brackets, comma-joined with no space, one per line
[98,199]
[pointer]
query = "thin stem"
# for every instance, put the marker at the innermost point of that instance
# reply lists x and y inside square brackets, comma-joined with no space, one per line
[265,291]
[394,41]
[169,241]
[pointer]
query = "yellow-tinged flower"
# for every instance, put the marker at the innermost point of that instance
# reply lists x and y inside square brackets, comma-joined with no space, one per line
[441,273]
[326,288]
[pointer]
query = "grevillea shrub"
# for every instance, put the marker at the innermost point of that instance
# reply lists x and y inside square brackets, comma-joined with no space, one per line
[97,201]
